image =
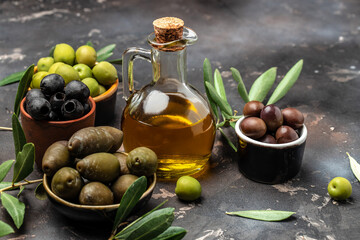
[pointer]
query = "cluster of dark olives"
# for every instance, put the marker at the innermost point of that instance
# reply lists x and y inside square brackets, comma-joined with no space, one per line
[269,124]
[86,169]
[54,101]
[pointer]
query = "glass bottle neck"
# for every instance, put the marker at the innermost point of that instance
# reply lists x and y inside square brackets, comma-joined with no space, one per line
[169,65]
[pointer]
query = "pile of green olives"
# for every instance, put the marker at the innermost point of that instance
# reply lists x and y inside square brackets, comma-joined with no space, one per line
[269,124]
[87,169]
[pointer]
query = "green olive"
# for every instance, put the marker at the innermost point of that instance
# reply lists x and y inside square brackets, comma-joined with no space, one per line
[55,157]
[67,183]
[142,161]
[96,193]
[120,186]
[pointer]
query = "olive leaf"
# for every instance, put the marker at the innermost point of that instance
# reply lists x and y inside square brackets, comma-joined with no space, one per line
[116,61]
[262,85]
[5,229]
[263,215]
[5,185]
[15,77]
[18,134]
[150,226]
[286,83]
[172,233]
[129,200]
[5,168]
[228,140]
[23,87]
[223,105]
[105,52]
[40,192]
[208,77]
[20,191]
[355,166]
[89,44]
[219,85]
[14,207]
[24,163]
[241,86]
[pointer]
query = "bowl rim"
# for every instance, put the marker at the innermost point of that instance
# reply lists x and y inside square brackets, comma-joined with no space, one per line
[27,115]
[111,90]
[92,207]
[297,142]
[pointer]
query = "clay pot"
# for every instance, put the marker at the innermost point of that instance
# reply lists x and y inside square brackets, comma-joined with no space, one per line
[44,133]
[105,105]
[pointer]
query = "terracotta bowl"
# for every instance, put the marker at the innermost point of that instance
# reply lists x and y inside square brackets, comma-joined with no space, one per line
[105,105]
[44,133]
[80,212]
[270,163]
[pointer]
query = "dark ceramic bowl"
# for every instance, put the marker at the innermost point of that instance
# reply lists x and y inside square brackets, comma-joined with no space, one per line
[270,163]
[45,133]
[105,105]
[91,213]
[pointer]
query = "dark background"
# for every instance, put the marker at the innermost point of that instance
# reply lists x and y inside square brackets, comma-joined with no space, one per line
[251,36]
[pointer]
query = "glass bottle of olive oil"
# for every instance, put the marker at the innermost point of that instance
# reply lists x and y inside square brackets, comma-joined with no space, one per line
[168,115]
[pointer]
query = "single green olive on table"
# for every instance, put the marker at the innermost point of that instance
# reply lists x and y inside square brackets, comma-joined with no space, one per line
[339,188]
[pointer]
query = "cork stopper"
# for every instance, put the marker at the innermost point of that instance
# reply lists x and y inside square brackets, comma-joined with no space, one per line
[168,29]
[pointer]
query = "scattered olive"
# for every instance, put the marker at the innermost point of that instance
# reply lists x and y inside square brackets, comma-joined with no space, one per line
[253,127]
[253,108]
[272,116]
[293,117]
[285,134]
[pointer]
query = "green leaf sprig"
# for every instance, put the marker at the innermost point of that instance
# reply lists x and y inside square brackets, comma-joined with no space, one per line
[216,94]
[355,166]
[155,224]
[263,215]
[102,55]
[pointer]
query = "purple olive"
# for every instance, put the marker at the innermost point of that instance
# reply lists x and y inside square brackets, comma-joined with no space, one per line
[285,134]
[293,117]
[253,127]
[272,116]
[267,138]
[253,108]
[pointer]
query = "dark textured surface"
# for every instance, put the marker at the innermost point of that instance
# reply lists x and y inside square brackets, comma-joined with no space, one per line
[251,36]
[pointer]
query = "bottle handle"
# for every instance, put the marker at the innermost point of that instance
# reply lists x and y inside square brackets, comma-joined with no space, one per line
[128,58]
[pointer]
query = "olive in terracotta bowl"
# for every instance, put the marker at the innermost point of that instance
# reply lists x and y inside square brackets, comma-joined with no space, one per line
[43,133]
[270,163]
[93,213]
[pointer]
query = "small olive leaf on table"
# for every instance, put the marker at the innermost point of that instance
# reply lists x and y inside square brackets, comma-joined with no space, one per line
[5,168]
[24,163]
[150,226]
[355,166]
[40,192]
[208,77]
[241,86]
[263,215]
[15,77]
[14,207]
[262,85]
[5,229]
[23,87]
[18,134]
[129,200]
[172,233]
[223,105]
[105,52]
[286,83]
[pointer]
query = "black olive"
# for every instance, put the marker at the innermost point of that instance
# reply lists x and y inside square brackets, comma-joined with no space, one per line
[38,108]
[72,109]
[253,127]
[77,90]
[272,116]
[52,84]
[253,108]
[57,100]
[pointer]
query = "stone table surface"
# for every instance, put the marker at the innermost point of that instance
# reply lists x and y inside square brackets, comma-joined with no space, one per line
[251,36]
